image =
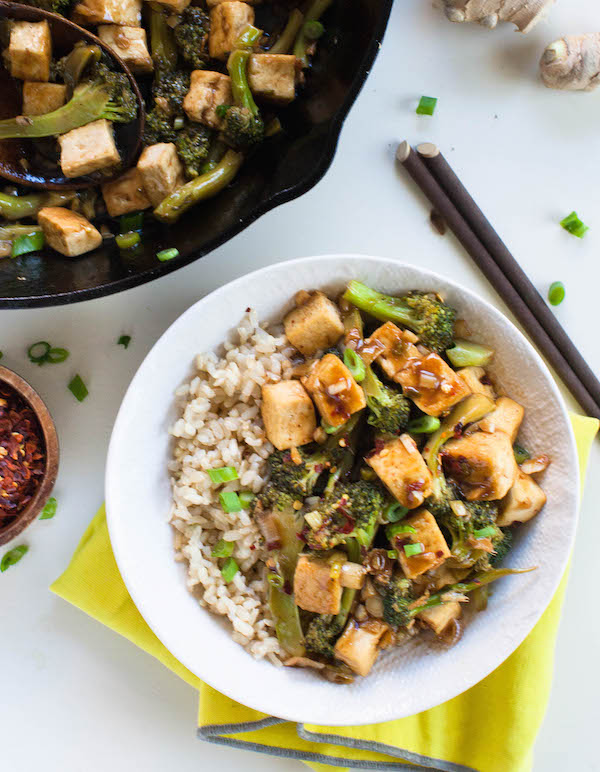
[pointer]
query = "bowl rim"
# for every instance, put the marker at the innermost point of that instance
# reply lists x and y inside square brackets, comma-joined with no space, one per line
[257,701]
[39,407]
[330,143]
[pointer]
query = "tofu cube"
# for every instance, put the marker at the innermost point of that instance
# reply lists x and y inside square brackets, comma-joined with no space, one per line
[524,500]
[272,77]
[482,465]
[317,585]
[358,646]
[29,50]
[227,20]
[160,170]
[477,380]
[439,617]
[130,44]
[88,149]
[175,6]
[403,471]
[334,390]
[68,232]
[127,13]
[207,91]
[314,325]
[41,98]
[506,417]
[288,414]
[125,194]
[435,549]
[432,384]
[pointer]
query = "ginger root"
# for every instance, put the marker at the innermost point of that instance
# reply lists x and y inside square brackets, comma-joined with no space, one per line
[572,63]
[525,14]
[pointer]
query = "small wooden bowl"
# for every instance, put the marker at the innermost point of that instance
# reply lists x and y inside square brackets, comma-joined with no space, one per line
[37,503]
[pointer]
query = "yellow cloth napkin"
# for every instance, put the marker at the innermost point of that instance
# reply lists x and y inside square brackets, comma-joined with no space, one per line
[489,728]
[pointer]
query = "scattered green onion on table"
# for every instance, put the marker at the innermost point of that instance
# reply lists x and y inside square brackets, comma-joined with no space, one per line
[426,105]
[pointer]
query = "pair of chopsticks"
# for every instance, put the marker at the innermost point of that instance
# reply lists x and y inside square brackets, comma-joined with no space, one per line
[451,200]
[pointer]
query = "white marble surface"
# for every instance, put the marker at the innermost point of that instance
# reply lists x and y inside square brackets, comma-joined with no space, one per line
[76,696]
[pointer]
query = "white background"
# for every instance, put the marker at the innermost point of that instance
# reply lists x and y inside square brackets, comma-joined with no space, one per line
[75,696]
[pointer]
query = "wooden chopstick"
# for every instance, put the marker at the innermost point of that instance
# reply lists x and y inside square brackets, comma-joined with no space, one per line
[482,228]
[439,199]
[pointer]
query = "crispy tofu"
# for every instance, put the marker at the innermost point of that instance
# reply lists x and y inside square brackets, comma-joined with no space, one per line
[125,194]
[41,98]
[130,44]
[68,232]
[315,324]
[439,617]
[127,13]
[227,20]
[161,171]
[88,149]
[425,378]
[358,646]
[477,381]
[29,51]
[317,585]
[524,500]
[207,91]
[435,549]
[334,390]
[272,77]
[506,417]
[403,471]
[482,465]
[288,414]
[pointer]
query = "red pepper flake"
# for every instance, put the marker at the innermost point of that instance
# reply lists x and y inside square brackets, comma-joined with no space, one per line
[22,454]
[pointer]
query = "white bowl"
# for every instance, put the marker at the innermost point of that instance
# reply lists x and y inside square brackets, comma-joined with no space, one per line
[404,681]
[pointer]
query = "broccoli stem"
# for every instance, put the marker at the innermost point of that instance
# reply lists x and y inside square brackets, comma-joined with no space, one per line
[18,207]
[237,65]
[77,62]
[289,33]
[162,40]
[302,44]
[284,609]
[468,354]
[200,188]
[382,307]
[216,151]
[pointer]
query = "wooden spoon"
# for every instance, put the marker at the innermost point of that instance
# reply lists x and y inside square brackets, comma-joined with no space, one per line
[35,173]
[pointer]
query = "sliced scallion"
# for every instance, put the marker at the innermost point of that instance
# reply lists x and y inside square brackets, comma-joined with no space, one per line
[167,254]
[230,501]
[38,352]
[485,533]
[392,531]
[229,570]
[12,556]
[128,240]
[49,510]
[222,549]
[426,105]
[275,580]
[392,554]
[426,424]
[124,341]
[394,512]
[556,293]
[574,225]
[223,474]
[78,388]
[410,550]
[354,363]
[30,242]
[57,355]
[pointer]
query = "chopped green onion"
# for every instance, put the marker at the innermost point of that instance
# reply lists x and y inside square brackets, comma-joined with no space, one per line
[78,388]
[426,424]
[426,105]
[31,242]
[49,510]
[392,531]
[56,356]
[167,254]
[574,225]
[248,37]
[484,533]
[392,554]
[521,453]
[229,570]
[362,537]
[131,222]
[222,549]
[394,512]
[410,550]
[128,240]
[223,474]
[246,498]
[124,341]
[230,501]
[178,123]
[275,580]
[313,30]
[556,293]
[38,352]
[354,363]
[12,556]
[464,353]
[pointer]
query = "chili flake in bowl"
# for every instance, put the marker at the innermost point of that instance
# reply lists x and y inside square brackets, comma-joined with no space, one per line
[28,454]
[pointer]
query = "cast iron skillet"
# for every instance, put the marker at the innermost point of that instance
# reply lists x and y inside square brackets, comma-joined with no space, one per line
[283,169]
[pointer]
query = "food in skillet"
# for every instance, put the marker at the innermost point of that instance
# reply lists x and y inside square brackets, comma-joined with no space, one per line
[350,481]
[213,84]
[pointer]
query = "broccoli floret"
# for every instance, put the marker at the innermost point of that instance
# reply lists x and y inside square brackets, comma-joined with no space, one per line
[422,312]
[192,143]
[273,497]
[389,409]
[462,522]
[502,547]
[397,596]
[241,130]
[158,127]
[322,634]
[191,37]
[170,88]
